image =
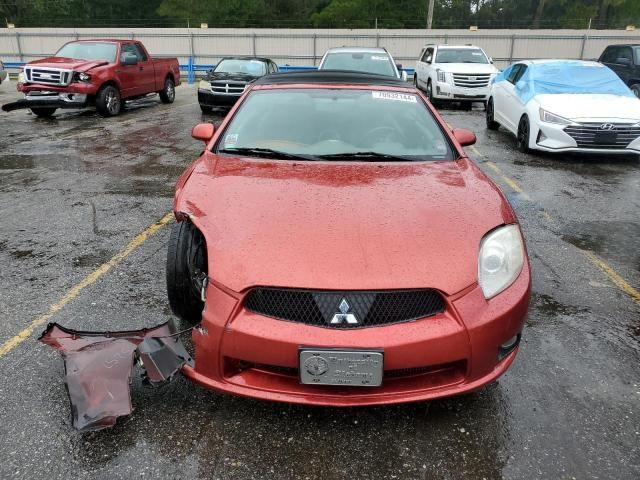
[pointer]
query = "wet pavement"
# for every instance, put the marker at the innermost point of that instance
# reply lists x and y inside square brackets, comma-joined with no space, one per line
[74,191]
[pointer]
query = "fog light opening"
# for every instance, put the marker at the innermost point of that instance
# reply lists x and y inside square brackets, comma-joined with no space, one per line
[509,346]
[541,137]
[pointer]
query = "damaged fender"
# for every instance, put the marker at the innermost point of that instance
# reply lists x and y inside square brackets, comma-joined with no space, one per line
[98,368]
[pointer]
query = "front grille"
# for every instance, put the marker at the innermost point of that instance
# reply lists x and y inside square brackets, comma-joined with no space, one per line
[592,135]
[228,87]
[367,308]
[469,80]
[48,76]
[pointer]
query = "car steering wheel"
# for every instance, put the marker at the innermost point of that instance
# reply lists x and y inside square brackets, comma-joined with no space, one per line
[382,133]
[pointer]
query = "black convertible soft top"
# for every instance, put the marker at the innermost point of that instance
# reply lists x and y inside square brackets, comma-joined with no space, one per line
[330,76]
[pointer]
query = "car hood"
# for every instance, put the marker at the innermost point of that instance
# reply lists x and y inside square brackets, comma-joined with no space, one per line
[467,68]
[236,77]
[350,226]
[68,63]
[595,107]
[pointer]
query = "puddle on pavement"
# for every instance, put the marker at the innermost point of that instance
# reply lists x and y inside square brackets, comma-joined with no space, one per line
[92,259]
[16,162]
[615,240]
[549,308]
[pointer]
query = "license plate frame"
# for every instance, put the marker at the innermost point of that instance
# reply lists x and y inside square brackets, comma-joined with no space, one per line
[345,367]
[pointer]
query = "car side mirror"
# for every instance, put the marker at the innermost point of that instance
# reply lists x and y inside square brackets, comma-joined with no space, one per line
[623,61]
[403,75]
[464,137]
[203,131]
[490,60]
[129,59]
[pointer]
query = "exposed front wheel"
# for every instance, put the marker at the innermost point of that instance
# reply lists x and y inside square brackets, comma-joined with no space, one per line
[635,88]
[523,134]
[430,92]
[186,270]
[108,101]
[43,112]
[491,123]
[168,93]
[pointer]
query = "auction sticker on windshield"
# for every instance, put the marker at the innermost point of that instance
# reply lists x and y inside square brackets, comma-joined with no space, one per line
[356,368]
[400,97]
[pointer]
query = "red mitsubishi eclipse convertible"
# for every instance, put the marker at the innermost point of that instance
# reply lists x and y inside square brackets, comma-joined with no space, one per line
[337,247]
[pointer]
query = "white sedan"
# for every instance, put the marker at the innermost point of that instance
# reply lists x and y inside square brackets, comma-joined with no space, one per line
[565,106]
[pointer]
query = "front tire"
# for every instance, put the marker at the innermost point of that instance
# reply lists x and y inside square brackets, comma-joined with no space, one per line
[186,265]
[430,93]
[523,134]
[108,101]
[43,112]
[491,123]
[168,93]
[635,88]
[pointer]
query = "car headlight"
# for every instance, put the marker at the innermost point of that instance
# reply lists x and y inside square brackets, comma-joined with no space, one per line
[552,118]
[442,76]
[204,85]
[84,77]
[501,259]
[22,78]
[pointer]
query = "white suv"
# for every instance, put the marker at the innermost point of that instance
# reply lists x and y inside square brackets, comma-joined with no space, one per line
[460,73]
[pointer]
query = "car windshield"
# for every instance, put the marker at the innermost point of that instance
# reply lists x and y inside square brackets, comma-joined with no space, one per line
[376,62]
[249,67]
[461,55]
[340,124]
[89,51]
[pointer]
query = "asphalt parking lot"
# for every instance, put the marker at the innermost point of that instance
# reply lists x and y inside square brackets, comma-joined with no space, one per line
[80,194]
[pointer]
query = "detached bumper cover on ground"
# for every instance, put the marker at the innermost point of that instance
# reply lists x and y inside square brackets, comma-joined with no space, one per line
[98,368]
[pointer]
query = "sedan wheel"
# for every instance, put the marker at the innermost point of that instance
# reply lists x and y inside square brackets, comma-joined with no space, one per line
[523,134]
[186,270]
[491,123]
[636,89]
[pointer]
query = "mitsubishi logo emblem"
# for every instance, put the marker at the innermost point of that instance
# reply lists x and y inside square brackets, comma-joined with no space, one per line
[344,315]
[226,88]
[607,126]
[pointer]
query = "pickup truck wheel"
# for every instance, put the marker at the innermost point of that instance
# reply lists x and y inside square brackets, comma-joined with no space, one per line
[635,88]
[43,112]
[108,101]
[186,267]
[491,123]
[168,93]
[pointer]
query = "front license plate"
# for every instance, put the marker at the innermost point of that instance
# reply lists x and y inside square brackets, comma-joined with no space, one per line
[354,368]
[605,138]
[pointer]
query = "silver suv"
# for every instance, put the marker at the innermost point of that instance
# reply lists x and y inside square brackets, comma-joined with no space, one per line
[362,59]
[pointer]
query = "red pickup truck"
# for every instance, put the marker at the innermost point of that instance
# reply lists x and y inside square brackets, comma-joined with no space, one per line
[103,73]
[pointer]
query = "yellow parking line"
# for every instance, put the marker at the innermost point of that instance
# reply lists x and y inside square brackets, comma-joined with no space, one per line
[476,151]
[615,278]
[509,181]
[74,291]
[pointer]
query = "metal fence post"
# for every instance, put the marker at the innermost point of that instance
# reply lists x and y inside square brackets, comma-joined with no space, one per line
[19,47]
[315,57]
[253,43]
[446,38]
[582,47]
[190,75]
[377,39]
[511,48]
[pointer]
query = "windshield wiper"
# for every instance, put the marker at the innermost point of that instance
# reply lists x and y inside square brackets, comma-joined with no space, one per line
[267,153]
[366,156]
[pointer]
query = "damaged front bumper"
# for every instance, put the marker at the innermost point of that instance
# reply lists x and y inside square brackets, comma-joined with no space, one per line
[44,99]
[99,366]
